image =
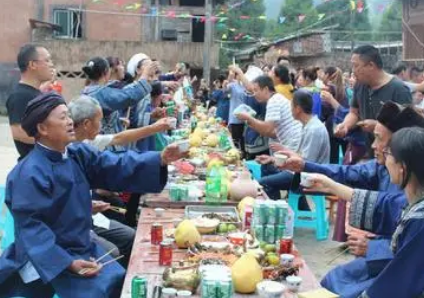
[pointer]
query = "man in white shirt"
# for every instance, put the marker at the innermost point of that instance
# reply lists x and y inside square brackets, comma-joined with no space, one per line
[279,124]
[314,145]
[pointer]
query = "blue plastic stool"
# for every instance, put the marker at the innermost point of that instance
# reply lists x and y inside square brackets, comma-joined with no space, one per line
[316,219]
[254,168]
[341,155]
[6,222]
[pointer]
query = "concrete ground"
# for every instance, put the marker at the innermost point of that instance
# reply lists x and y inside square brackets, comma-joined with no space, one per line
[316,253]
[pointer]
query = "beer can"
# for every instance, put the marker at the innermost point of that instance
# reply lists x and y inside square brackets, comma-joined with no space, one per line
[279,231]
[174,192]
[139,287]
[270,233]
[286,245]
[262,213]
[281,212]
[183,193]
[156,234]
[208,288]
[259,232]
[256,213]
[271,213]
[225,288]
[165,253]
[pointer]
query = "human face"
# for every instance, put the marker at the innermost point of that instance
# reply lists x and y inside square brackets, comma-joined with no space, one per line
[395,169]
[120,70]
[296,111]
[352,81]
[272,75]
[301,81]
[42,66]
[261,95]
[382,137]
[57,131]
[361,69]
[92,126]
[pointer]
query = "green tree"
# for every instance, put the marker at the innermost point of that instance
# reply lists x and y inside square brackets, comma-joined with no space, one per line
[346,23]
[391,22]
[291,11]
[237,27]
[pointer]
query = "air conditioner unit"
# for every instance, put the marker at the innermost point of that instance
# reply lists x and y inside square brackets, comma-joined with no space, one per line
[169,34]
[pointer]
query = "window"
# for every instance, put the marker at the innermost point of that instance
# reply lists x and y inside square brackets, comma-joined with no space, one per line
[70,21]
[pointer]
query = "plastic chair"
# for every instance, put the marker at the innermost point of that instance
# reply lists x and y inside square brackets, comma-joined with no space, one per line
[254,168]
[314,219]
[6,223]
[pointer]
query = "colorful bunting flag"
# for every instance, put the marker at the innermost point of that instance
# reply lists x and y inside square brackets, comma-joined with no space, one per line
[224,36]
[282,20]
[244,17]
[301,18]
[262,17]
[321,16]
[352,5]
[360,6]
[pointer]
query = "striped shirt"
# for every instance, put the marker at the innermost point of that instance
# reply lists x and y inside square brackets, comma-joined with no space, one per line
[288,130]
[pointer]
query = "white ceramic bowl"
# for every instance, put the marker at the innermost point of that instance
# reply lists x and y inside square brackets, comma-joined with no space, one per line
[183,294]
[159,212]
[270,289]
[183,146]
[280,159]
[306,179]
[293,283]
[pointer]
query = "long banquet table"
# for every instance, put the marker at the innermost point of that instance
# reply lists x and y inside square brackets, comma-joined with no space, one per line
[144,257]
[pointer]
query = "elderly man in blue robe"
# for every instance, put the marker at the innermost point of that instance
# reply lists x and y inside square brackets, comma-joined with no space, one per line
[374,188]
[48,193]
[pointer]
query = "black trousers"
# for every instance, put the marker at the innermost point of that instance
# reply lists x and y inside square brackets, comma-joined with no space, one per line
[237,133]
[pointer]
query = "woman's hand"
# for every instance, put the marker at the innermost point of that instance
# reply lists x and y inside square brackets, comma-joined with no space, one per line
[321,183]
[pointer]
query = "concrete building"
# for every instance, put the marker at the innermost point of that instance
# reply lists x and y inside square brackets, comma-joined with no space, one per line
[90,28]
[413,30]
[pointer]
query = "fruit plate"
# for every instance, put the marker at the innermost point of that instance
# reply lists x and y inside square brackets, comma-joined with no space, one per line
[226,214]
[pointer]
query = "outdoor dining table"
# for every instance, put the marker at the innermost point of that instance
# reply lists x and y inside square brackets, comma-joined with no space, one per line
[145,256]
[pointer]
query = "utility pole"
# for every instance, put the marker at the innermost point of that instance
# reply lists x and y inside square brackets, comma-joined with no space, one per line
[207,42]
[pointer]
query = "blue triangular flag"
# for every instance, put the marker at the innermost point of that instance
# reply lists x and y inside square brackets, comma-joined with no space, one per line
[282,19]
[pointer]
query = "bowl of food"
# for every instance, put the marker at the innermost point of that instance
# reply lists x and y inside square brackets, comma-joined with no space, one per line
[206,225]
[237,238]
[270,289]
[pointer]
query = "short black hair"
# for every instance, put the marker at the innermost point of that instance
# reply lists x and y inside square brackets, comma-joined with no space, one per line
[157,89]
[95,68]
[265,81]
[407,147]
[114,61]
[415,69]
[282,73]
[400,67]
[303,99]
[27,53]
[369,53]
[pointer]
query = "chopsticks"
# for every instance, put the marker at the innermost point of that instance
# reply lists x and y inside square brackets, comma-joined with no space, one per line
[117,209]
[98,260]
[339,255]
[87,270]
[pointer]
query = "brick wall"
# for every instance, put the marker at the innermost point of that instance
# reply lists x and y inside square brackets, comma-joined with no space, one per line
[14,29]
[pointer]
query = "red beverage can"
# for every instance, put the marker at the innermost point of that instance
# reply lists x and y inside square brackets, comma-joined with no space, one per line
[247,217]
[156,234]
[286,245]
[165,253]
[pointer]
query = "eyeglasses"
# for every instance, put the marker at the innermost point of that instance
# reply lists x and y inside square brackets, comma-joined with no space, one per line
[386,152]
